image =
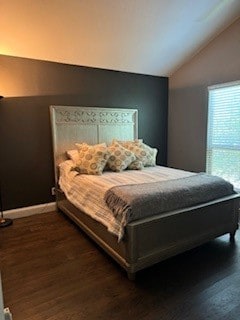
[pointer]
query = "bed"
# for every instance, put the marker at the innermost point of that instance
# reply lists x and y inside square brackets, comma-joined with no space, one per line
[148,240]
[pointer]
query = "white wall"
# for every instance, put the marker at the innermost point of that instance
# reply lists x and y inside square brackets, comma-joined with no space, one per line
[140,36]
[218,62]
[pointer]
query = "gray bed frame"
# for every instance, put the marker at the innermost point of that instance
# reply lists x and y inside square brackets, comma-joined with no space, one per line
[149,240]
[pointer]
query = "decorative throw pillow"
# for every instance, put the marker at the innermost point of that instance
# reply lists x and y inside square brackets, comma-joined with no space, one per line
[152,155]
[127,143]
[120,157]
[80,145]
[136,165]
[73,155]
[92,159]
[145,154]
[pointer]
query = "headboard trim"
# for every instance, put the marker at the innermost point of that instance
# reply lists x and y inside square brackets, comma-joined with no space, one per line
[95,116]
[93,125]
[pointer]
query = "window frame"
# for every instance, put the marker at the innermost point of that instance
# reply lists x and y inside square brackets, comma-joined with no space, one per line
[210,127]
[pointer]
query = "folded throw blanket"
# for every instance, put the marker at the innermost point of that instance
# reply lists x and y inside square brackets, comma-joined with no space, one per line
[132,202]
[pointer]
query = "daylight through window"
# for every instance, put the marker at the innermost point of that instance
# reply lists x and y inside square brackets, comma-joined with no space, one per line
[223,138]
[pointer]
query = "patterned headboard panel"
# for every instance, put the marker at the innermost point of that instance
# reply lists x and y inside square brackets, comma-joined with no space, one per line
[91,125]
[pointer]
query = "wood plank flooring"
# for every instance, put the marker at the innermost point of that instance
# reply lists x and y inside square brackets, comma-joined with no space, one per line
[51,270]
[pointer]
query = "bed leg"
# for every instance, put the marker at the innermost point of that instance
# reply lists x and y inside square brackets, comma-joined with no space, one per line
[232,236]
[131,276]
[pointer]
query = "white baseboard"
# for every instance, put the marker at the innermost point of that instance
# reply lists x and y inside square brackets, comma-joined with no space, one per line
[29,211]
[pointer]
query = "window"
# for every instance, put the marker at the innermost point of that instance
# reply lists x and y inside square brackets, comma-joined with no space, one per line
[223,138]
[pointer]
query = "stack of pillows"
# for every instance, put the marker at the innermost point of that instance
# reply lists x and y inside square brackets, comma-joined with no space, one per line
[120,155]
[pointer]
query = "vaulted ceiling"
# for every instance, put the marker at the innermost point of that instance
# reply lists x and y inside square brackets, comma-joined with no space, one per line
[143,36]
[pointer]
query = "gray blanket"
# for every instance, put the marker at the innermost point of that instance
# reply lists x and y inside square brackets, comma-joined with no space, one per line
[132,202]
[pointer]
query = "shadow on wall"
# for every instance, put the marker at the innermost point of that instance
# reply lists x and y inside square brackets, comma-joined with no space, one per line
[187,128]
[26,152]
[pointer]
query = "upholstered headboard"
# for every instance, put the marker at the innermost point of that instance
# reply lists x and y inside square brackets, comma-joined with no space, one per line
[89,124]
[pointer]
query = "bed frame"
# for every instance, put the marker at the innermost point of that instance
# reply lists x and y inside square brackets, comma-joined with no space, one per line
[149,240]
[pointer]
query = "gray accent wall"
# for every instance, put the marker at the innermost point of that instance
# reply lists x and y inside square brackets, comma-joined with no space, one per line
[218,62]
[31,86]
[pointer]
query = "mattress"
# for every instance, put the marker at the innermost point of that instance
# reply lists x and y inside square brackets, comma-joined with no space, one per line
[87,192]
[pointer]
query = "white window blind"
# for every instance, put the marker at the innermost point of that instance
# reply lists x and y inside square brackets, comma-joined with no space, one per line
[223,138]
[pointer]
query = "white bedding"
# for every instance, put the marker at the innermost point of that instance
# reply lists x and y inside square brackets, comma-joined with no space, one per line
[86,192]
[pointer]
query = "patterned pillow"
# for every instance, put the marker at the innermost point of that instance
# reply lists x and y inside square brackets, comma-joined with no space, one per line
[136,165]
[92,159]
[73,155]
[152,155]
[81,145]
[120,157]
[128,143]
[145,154]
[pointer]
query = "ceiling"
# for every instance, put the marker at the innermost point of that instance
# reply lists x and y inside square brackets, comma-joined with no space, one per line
[143,36]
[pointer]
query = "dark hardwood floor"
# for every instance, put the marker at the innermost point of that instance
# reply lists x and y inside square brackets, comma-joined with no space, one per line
[51,270]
